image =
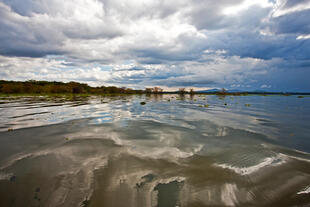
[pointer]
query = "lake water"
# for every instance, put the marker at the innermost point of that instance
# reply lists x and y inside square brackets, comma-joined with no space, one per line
[201,150]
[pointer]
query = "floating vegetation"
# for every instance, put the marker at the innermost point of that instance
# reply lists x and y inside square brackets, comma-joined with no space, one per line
[85,203]
[225,104]
[300,96]
[142,103]
[13,178]
[207,105]
[36,197]
[10,129]
[247,105]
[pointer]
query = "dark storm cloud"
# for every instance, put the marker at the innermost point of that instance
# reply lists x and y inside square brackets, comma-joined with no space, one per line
[246,38]
[293,23]
[293,3]
[263,47]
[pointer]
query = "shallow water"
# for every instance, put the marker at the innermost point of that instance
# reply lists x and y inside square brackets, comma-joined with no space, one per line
[173,151]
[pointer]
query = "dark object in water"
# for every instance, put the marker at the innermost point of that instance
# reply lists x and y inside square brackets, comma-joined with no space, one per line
[300,96]
[144,180]
[142,103]
[13,178]
[168,193]
[36,197]
[10,129]
[85,203]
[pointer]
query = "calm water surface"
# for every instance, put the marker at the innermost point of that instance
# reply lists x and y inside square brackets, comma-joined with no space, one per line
[173,151]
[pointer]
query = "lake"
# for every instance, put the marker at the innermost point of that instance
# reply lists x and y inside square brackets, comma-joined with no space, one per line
[202,150]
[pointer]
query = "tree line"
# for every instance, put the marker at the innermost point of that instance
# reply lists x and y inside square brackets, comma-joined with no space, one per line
[54,87]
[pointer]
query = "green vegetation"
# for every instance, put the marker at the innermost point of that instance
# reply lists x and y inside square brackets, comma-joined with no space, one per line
[46,87]
[154,90]
[33,87]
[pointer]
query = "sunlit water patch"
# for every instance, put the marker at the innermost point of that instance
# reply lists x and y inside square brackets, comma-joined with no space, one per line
[172,151]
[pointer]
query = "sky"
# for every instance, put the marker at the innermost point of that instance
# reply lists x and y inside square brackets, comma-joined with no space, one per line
[201,44]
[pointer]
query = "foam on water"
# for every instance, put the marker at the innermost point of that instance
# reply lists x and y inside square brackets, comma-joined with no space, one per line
[269,161]
[304,191]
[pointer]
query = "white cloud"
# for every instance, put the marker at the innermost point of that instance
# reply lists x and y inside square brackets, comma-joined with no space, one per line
[303,37]
[23,68]
[233,10]
[265,86]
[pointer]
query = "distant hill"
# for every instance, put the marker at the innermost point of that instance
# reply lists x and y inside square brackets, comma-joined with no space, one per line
[214,90]
[236,91]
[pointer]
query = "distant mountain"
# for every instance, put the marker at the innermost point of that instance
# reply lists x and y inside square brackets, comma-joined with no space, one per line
[214,90]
